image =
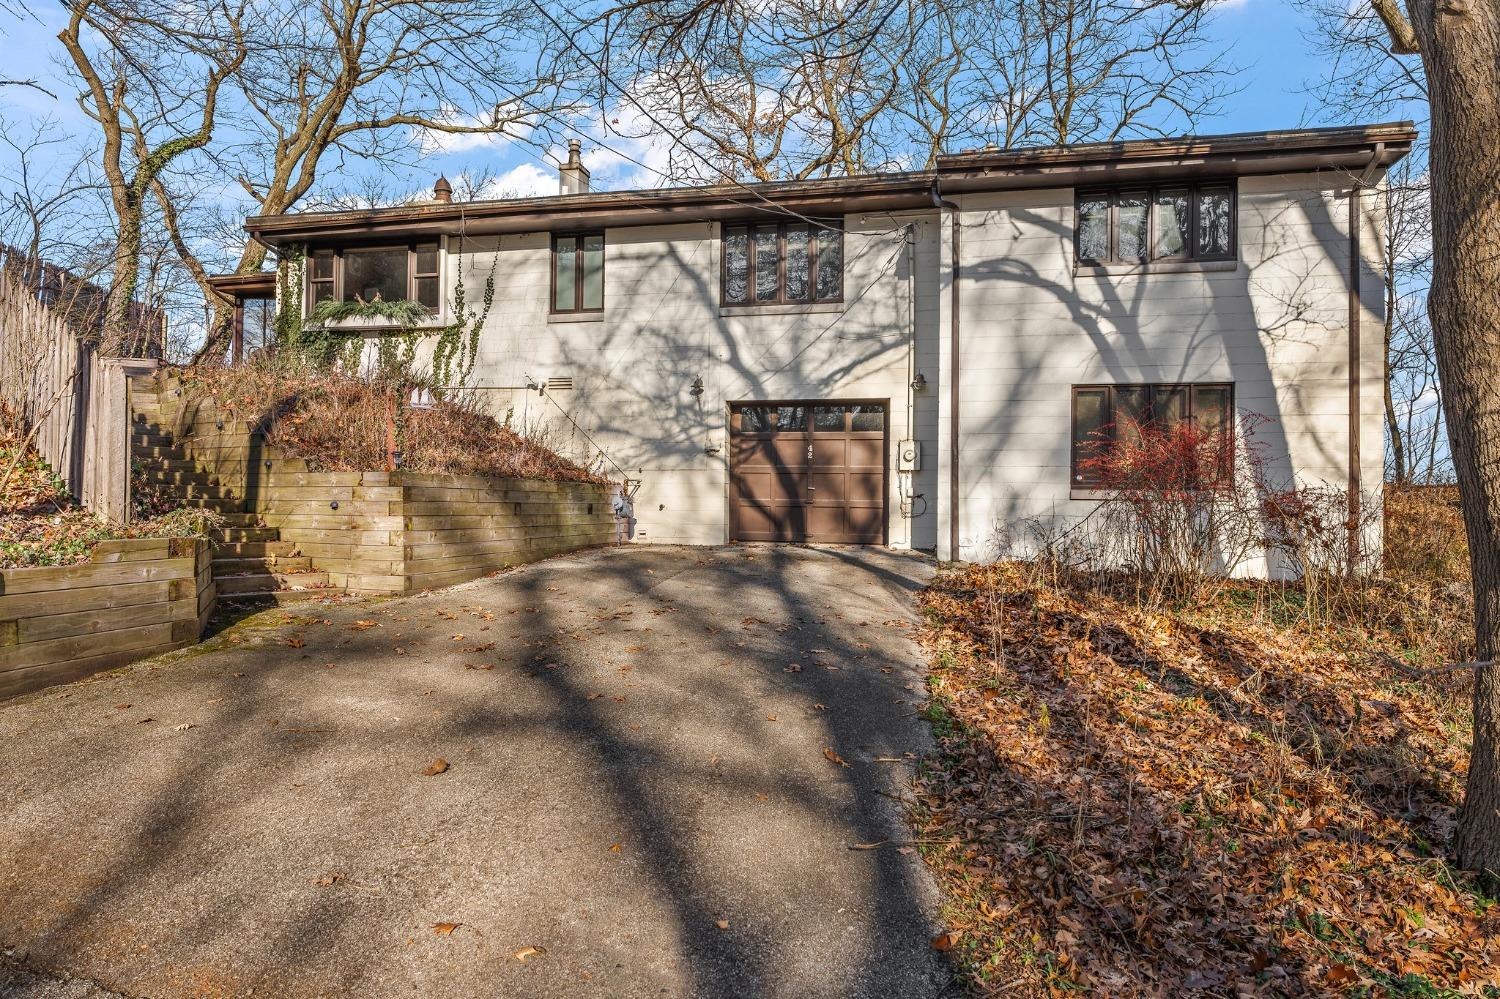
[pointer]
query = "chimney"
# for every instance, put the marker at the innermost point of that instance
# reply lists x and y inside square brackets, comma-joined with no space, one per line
[442,191]
[573,176]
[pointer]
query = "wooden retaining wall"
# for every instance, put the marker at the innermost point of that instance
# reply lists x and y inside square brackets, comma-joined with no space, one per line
[134,598]
[399,532]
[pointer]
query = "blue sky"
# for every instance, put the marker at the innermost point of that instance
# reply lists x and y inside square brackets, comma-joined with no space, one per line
[1265,37]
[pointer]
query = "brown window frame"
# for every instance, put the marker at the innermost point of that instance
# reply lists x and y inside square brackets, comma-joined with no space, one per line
[815,250]
[1076,477]
[337,281]
[578,309]
[1194,189]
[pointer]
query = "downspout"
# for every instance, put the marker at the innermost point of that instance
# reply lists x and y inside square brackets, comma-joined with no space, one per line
[938,201]
[1355,498]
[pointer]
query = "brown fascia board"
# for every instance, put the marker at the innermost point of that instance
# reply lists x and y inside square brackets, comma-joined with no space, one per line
[1344,149]
[260,281]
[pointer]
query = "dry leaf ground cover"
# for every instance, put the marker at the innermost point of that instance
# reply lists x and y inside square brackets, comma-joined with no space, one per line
[1227,800]
[41,524]
[339,423]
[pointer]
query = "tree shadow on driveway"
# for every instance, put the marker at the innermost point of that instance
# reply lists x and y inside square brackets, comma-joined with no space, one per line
[646,784]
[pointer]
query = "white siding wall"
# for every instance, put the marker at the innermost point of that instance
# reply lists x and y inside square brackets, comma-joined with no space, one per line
[1275,325]
[633,369]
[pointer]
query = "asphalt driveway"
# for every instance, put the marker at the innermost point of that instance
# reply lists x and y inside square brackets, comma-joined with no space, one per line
[658,760]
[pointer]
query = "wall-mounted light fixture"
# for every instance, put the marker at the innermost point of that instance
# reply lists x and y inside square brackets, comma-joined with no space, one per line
[919,383]
[697,389]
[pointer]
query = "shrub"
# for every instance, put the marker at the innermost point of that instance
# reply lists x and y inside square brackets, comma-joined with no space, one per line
[340,422]
[1180,501]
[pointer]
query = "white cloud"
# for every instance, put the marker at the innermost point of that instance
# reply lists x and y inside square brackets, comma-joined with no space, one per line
[525,180]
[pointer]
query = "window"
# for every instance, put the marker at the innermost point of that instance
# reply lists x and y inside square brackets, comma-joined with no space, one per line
[1171,222]
[783,263]
[578,272]
[375,273]
[1104,414]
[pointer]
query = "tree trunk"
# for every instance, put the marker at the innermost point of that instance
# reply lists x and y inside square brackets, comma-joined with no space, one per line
[1461,55]
[118,332]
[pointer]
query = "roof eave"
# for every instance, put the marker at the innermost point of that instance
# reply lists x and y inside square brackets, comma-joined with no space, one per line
[1239,154]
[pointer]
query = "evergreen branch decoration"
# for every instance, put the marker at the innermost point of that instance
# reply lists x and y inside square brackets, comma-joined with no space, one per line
[403,312]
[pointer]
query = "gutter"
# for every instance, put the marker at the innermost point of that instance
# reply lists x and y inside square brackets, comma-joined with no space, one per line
[954,369]
[1355,486]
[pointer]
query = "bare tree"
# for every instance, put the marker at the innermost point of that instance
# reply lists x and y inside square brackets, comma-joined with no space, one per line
[372,80]
[792,89]
[1457,43]
[1363,79]
[152,71]
[1413,393]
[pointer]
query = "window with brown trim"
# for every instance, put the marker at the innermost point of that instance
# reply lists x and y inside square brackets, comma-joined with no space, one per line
[369,273]
[1177,222]
[1106,414]
[578,272]
[782,263]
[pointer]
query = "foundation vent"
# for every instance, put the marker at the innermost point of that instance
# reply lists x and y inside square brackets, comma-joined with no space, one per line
[559,384]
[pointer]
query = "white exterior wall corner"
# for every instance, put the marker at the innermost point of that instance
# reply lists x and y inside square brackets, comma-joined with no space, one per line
[633,369]
[1276,326]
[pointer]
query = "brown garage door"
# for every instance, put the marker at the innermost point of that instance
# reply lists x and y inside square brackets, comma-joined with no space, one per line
[807,471]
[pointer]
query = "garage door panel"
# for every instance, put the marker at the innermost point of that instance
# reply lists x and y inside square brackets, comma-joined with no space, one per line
[830,452]
[770,524]
[772,485]
[829,487]
[867,452]
[827,523]
[808,472]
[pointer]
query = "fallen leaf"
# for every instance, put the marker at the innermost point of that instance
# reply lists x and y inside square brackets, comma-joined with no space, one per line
[332,877]
[295,643]
[445,929]
[616,848]
[525,952]
[793,668]
[183,727]
[142,721]
[121,707]
[770,717]
[722,924]
[437,766]
[869,846]
[834,757]
[1341,974]
[362,625]
[820,707]
[945,941]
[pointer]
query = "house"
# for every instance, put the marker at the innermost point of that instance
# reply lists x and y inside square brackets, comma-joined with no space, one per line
[910,359]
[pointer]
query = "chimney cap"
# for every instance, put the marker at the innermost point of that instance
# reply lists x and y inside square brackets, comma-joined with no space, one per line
[442,190]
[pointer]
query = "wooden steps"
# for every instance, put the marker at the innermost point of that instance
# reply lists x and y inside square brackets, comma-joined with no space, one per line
[250,563]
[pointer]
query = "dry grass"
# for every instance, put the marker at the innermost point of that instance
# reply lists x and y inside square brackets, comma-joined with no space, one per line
[1232,798]
[339,423]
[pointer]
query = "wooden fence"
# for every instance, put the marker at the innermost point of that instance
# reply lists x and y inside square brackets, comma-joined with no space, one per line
[78,402]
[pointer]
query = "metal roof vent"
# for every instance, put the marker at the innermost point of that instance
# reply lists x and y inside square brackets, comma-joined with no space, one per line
[559,384]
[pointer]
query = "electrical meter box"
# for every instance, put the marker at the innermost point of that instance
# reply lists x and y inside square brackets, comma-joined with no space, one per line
[908,456]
